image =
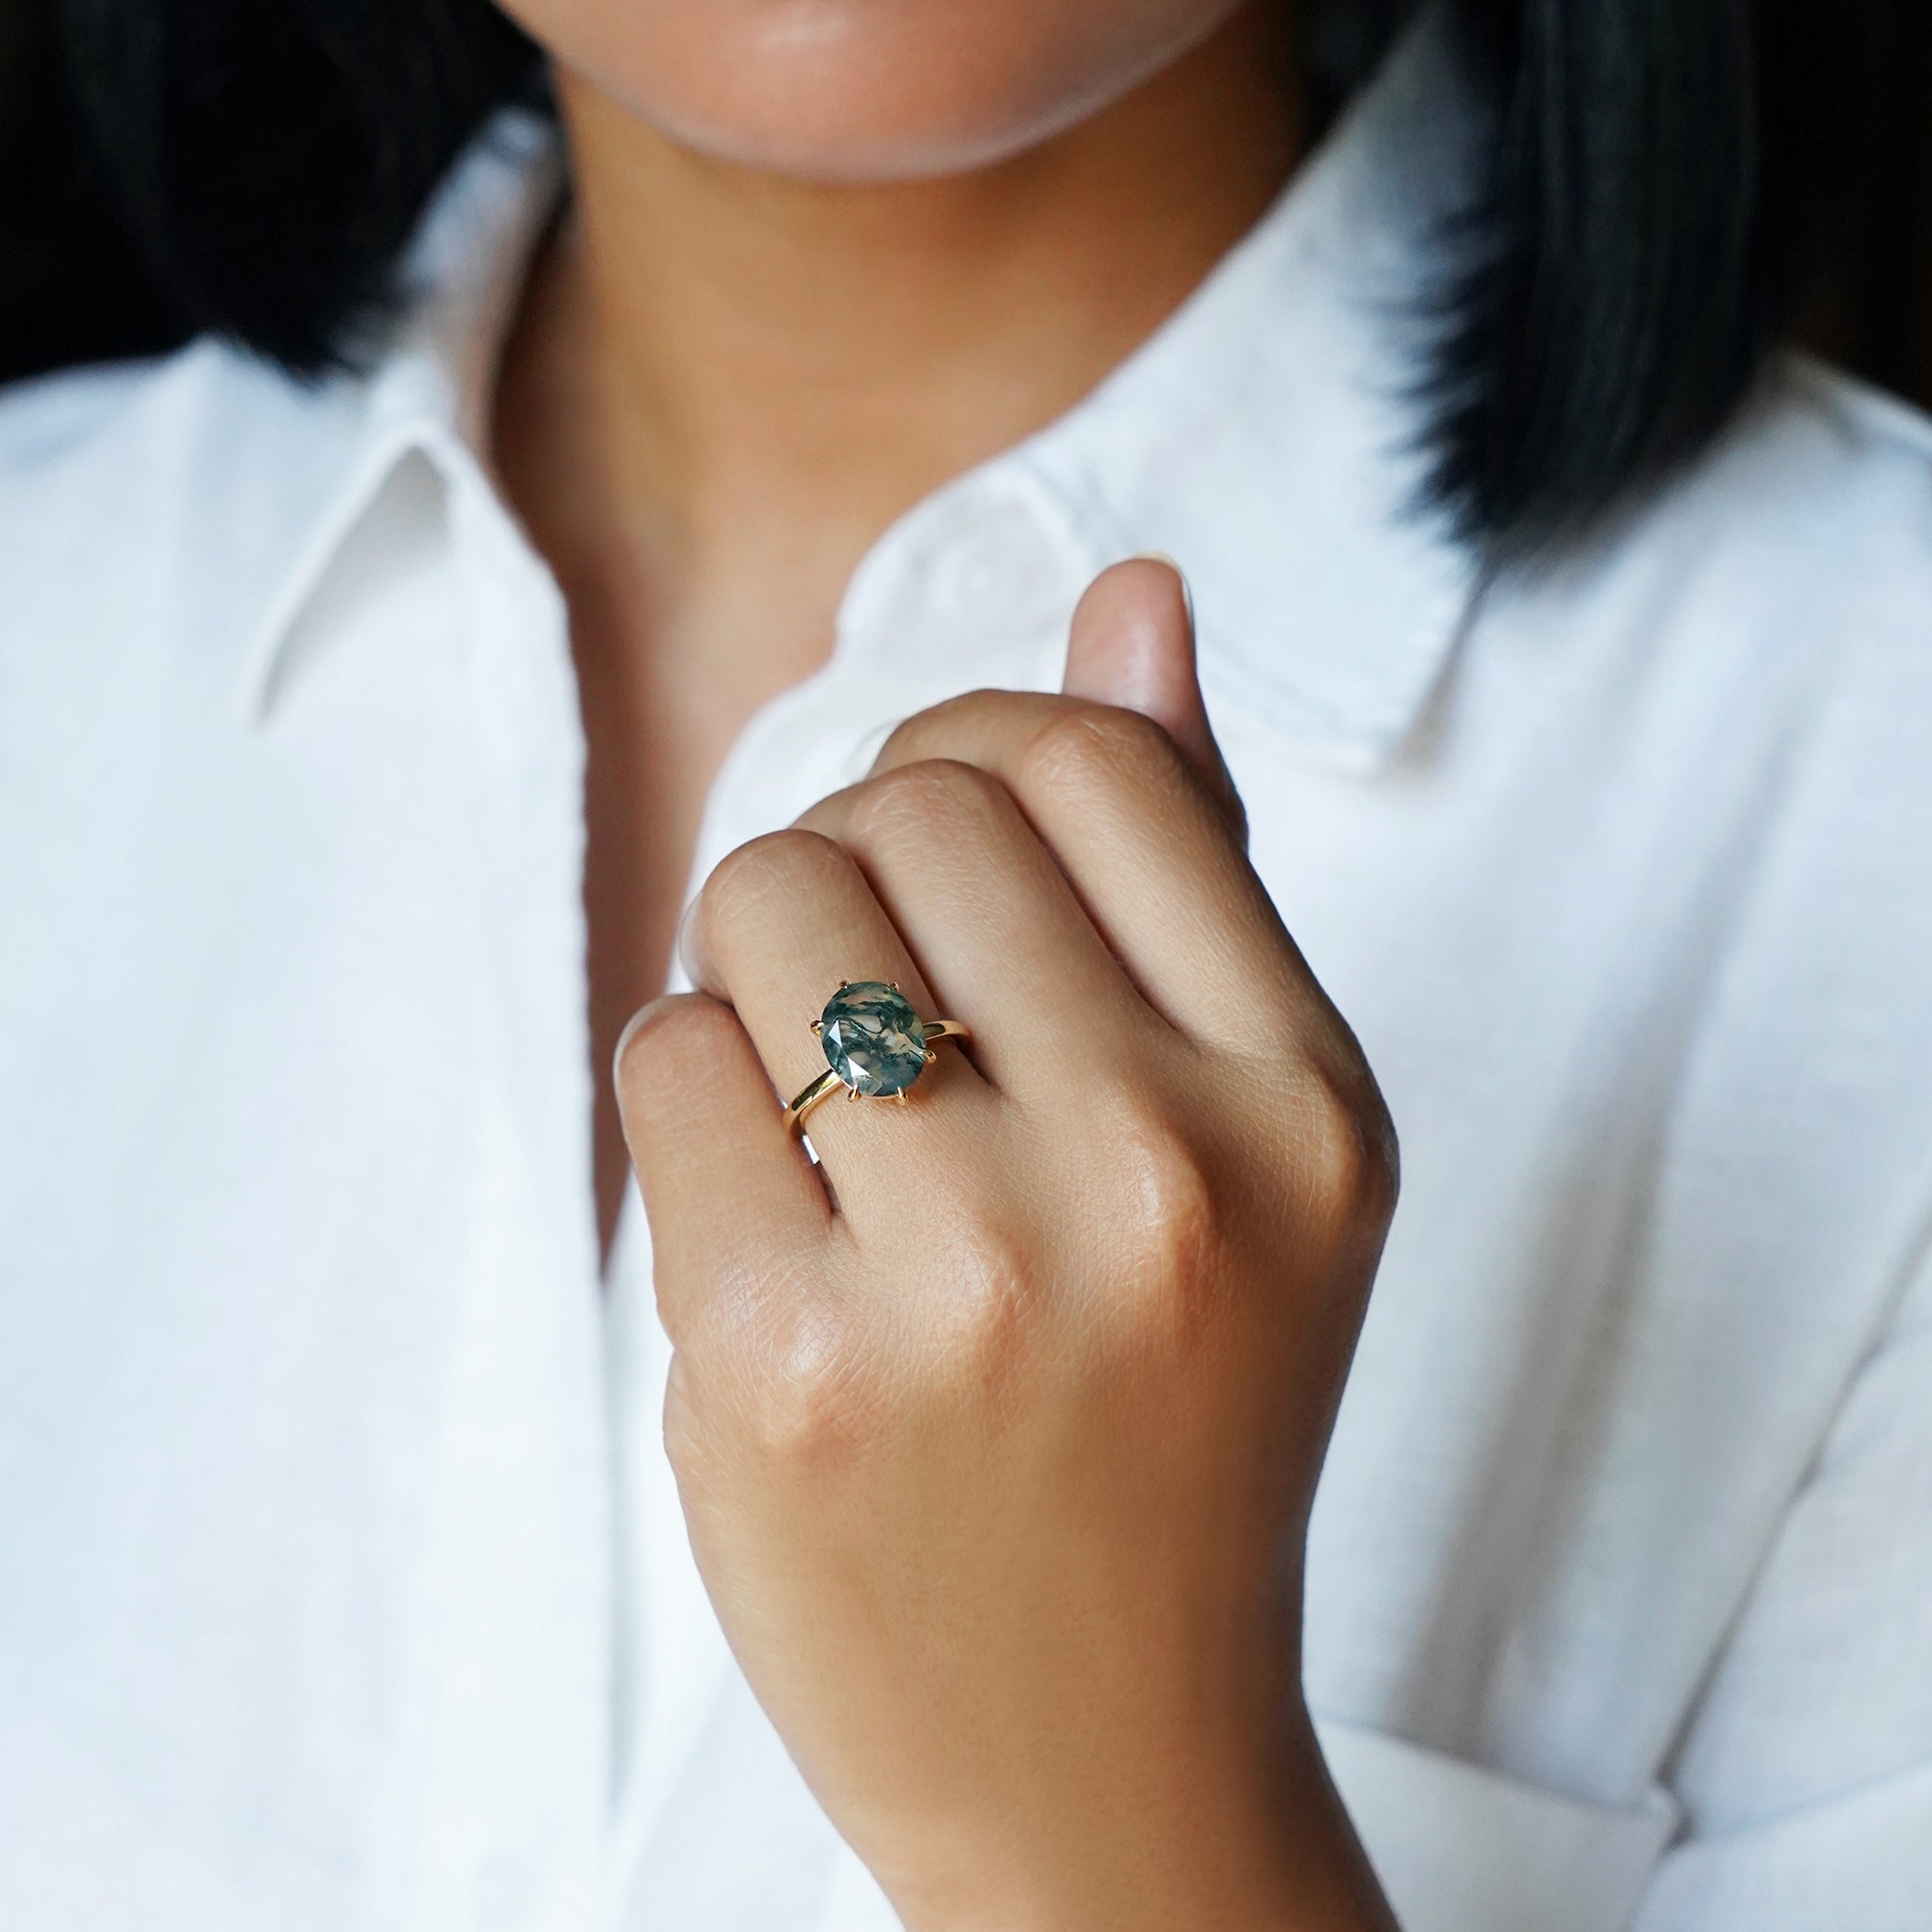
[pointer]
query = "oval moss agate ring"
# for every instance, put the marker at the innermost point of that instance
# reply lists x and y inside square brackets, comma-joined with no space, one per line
[876,1046]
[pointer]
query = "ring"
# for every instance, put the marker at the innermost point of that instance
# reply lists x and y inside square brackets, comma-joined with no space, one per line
[875,1045]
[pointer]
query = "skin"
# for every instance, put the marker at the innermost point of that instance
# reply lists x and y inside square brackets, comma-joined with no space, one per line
[850,91]
[1000,1503]
[704,480]
[993,1497]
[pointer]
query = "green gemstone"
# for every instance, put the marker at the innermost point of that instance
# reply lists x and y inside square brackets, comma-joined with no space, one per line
[873,1039]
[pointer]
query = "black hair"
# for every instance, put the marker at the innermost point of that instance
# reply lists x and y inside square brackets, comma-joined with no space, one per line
[1659,196]
[1660,182]
[252,168]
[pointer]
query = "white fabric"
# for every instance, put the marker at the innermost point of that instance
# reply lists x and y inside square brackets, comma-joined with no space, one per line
[1457,1845]
[342,1582]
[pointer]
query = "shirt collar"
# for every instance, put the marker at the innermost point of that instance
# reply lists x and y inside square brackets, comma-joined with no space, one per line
[430,392]
[1270,438]
[1266,436]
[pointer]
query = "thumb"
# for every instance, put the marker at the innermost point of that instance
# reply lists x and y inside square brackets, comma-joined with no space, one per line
[1132,645]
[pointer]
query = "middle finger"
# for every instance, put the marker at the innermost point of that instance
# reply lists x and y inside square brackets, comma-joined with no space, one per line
[977,895]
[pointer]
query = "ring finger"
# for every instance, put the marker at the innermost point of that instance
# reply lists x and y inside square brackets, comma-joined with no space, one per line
[965,878]
[779,926]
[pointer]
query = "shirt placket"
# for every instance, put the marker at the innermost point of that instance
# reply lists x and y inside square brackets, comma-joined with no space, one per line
[517,1583]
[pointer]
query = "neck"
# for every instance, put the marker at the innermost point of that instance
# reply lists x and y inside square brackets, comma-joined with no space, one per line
[724,387]
[775,369]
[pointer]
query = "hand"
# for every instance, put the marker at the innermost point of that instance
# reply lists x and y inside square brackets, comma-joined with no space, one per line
[997,1438]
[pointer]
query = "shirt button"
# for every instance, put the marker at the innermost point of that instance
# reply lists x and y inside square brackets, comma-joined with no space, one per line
[964,589]
[995,580]
[977,578]
[997,558]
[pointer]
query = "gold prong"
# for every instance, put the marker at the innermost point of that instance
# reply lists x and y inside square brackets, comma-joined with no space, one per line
[930,1056]
[843,984]
[852,1092]
[902,1097]
[817,1027]
[894,984]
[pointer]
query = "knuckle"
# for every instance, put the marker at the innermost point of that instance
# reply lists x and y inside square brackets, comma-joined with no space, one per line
[915,801]
[1174,1214]
[927,733]
[978,1333]
[909,742]
[809,1392]
[745,883]
[1353,1161]
[672,1040]
[1086,747]
[1173,1197]
[994,1281]
[1165,1284]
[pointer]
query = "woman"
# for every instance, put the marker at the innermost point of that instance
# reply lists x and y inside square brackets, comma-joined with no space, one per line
[755,516]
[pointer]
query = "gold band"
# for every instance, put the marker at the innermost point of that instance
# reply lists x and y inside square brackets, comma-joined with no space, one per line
[829,1083]
[823,1088]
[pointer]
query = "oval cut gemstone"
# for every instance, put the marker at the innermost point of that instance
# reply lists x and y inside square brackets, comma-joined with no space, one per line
[873,1039]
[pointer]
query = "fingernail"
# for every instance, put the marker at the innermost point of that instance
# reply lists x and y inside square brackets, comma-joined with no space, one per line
[633,1026]
[1173,565]
[680,950]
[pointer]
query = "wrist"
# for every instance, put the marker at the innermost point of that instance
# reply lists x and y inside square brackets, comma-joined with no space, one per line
[1269,1850]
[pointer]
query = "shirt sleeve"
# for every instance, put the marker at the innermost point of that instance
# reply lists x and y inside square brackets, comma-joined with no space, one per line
[1458,1848]
[1806,1773]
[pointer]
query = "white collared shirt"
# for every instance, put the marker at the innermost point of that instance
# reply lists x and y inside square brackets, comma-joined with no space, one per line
[342,1581]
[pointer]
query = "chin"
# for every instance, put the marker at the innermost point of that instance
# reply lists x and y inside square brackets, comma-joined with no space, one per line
[865,90]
